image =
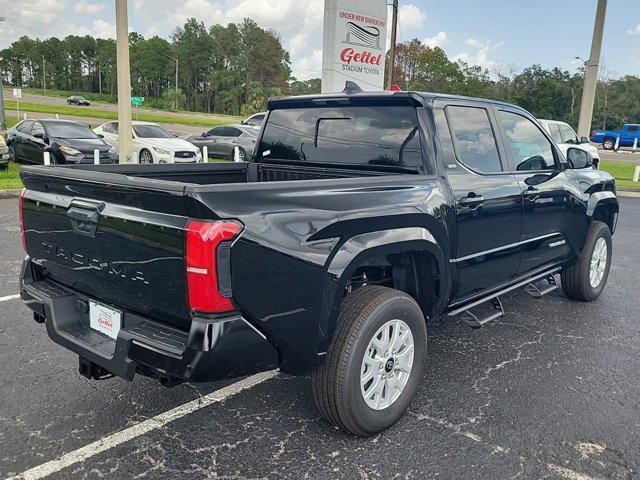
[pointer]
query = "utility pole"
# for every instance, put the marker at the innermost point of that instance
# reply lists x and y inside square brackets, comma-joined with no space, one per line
[3,118]
[125,140]
[392,50]
[44,75]
[176,92]
[591,72]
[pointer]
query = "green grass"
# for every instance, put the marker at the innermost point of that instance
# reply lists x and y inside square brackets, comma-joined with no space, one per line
[111,114]
[622,172]
[9,179]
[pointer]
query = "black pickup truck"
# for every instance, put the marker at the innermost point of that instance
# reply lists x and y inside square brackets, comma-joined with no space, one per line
[360,217]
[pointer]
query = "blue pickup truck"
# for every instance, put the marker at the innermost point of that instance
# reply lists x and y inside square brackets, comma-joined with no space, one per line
[629,135]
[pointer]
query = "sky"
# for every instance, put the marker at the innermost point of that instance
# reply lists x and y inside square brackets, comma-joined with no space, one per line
[500,35]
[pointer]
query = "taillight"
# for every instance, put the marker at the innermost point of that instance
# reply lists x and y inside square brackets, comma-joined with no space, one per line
[207,251]
[21,208]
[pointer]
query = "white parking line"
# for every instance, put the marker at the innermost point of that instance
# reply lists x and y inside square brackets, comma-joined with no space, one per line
[9,297]
[142,428]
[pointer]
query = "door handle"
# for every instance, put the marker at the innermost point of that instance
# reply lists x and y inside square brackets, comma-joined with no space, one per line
[472,201]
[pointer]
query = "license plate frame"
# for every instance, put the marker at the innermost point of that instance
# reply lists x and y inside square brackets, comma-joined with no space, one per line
[105,319]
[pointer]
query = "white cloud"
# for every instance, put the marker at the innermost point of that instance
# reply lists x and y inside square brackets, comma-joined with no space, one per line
[480,54]
[438,40]
[309,67]
[102,29]
[634,31]
[82,6]
[410,19]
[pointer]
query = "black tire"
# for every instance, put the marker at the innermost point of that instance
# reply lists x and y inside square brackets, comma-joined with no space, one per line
[609,144]
[12,155]
[336,383]
[146,157]
[576,281]
[242,154]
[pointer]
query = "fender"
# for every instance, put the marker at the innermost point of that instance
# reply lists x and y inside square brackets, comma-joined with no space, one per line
[363,247]
[600,197]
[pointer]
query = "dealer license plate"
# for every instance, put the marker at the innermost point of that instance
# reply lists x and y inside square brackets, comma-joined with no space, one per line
[105,319]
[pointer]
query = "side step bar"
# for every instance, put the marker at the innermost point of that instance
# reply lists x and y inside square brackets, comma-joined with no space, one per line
[477,321]
[536,291]
[474,321]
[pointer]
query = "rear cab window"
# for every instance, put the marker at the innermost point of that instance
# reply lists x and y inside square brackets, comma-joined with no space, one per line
[380,137]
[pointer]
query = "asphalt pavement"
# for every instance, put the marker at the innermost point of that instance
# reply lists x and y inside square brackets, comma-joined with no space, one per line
[552,390]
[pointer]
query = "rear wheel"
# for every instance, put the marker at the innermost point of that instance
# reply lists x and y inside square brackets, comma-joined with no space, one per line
[608,144]
[375,362]
[146,156]
[585,280]
[12,155]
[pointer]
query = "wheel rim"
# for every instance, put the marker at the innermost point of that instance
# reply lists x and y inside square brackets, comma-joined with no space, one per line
[387,364]
[608,144]
[145,157]
[598,262]
[12,154]
[242,155]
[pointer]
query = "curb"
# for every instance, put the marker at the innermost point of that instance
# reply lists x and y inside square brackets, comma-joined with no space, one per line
[10,193]
[630,193]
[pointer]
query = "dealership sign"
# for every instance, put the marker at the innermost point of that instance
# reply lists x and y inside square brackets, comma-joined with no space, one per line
[355,35]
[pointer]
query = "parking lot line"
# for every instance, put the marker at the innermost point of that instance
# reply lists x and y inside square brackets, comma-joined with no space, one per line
[9,297]
[142,428]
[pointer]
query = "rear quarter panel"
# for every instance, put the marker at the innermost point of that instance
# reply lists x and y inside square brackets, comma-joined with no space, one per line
[292,230]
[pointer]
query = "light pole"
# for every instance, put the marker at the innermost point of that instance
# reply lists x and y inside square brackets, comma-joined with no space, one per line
[44,75]
[125,132]
[392,50]
[3,118]
[591,72]
[176,92]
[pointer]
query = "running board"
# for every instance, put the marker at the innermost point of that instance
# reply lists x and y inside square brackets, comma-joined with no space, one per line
[501,291]
[537,292]
[474,321]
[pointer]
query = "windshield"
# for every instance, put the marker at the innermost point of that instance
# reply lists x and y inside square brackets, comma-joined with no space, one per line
[151,131]
[69,130]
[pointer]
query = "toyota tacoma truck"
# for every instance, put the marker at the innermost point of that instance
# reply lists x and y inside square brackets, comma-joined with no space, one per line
[359,218]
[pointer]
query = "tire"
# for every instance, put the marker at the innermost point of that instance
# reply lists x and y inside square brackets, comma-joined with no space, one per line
[12,155]
[609,144]
[242,154]
[338,388]
[145,157]
[577,281]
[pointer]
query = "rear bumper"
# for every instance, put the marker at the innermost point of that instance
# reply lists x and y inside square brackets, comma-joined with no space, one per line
[214,348]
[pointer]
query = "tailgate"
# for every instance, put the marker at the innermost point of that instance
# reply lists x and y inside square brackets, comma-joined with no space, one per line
[117,239]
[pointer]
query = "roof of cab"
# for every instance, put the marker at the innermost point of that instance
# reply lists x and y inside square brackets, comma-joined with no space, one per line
[425,99]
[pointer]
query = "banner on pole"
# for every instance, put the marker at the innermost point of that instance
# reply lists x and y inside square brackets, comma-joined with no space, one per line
[354,44]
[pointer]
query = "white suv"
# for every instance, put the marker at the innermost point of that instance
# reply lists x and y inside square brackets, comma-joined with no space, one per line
[566,137]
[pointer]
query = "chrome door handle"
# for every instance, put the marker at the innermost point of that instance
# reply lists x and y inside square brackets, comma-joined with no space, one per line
[471,200]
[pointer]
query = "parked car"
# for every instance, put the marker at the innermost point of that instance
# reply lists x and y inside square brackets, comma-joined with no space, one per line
[153,143]
[222,140]
[4,154]
[359,217]
[77,100]
[566,137]
[629,135]
[256,119]
[67,142]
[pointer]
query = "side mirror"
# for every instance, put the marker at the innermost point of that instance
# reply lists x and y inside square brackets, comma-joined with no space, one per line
[39,136]
[578,158]
[584,139]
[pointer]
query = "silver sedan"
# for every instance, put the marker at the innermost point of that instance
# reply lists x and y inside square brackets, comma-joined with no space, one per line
[221,141]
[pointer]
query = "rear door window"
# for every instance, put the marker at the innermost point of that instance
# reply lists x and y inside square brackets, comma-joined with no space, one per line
[473,139]
[385,136]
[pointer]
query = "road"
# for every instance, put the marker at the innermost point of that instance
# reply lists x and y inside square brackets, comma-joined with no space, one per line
[52,100]
[549,391]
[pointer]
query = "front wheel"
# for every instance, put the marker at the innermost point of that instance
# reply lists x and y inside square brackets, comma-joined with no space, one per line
[374,363]
[585,280]
[146,157]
